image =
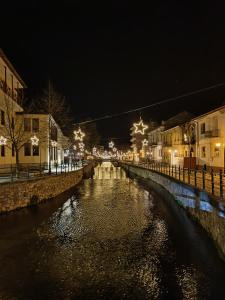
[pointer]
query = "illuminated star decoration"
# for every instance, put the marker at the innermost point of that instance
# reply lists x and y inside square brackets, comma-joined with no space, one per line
[114,149]
[34,140]
[54,143]
[74,147]
[111,144]
[79,135]
[140,127]
[81,145]
[145,142]
[3,140]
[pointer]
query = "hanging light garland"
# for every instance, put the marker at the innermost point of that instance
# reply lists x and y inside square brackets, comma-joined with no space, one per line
[140,127]
[3,141]
[145,142]
[34,140]
[79,135]
[111,144]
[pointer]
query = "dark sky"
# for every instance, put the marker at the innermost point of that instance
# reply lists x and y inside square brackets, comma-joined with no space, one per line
[110,57]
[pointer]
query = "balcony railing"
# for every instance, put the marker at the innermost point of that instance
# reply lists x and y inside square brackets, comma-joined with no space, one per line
[11,93]
[211,133]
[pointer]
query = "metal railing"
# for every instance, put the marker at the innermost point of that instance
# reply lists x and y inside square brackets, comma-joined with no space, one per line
[12,173]
[211,181]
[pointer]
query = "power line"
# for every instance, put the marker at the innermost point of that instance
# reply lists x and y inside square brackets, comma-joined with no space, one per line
[153,104]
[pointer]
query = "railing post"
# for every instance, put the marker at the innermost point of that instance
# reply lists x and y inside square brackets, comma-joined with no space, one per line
[203,179]
[172,170]
[61,168]
[179,172]
[169,170]
[56,166]
[189,179]
[212,181]
[221,184]
[183,174]
[195,177]
[175,171]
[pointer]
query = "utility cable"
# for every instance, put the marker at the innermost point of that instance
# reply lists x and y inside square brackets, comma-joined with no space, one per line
[153,104]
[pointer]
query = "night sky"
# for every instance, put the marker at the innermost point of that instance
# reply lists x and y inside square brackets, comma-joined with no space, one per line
[110,57]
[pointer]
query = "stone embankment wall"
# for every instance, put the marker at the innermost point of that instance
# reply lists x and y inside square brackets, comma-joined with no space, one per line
[196,203]
[26,193]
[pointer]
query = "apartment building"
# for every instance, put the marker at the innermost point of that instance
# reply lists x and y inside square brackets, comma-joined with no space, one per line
[25,138]
[210,133]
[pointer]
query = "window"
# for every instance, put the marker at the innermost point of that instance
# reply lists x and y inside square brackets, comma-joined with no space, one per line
[2,150]
[35,125]
[13,123]
[27,149]
[54,133]
[35,150]
[217,151]
[2,117]
[203,152]
[13,151]
[202,128]
[27,124]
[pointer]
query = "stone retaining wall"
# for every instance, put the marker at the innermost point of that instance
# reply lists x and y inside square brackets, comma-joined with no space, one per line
[196,203]
[22,194]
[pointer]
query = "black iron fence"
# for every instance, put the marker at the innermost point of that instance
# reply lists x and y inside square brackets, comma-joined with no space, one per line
[211,181]
[11,173]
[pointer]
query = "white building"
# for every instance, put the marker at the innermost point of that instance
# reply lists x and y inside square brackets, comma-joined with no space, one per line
[210,133]
[17,129]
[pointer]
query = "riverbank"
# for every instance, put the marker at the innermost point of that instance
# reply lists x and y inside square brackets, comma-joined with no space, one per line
[22,194]
[197,204]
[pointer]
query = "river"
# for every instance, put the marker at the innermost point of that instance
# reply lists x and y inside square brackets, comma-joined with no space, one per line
[113,238]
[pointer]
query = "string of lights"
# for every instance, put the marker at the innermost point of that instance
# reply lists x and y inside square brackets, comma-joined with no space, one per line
[154,104]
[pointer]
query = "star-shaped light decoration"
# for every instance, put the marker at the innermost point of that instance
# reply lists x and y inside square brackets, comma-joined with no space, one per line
[140,127]
[34,140]
[81,145]
[145,142]
[3,140]
[111,144]
[54,143]
[114,149]
[74,147]
[79,135]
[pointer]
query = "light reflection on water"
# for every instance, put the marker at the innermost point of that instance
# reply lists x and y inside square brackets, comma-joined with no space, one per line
[113,239]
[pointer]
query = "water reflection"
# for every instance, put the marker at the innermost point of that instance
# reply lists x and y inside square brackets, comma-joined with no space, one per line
[113,239]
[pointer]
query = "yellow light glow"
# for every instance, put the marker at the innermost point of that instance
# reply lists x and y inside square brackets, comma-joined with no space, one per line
[145,142]
[3,140]
[79,135]
[218,145]
[34,140]
[140,127]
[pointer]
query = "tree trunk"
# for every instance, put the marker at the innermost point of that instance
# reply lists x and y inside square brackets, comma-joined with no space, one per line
[17,160]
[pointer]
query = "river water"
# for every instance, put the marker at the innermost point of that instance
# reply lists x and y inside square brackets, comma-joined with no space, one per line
[113,238]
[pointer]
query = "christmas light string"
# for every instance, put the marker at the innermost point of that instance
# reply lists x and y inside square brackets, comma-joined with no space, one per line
[154,104]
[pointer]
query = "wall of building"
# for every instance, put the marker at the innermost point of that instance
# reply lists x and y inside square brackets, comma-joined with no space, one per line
[196,203]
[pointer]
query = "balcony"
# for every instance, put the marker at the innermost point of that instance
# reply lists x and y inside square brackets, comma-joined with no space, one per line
[211,133]
[11,93]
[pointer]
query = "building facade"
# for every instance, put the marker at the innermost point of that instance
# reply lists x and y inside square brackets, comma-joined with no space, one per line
[25,138]
[210,133]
